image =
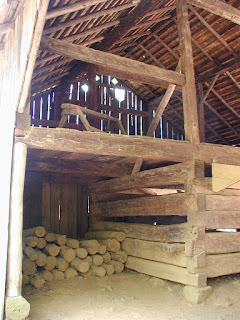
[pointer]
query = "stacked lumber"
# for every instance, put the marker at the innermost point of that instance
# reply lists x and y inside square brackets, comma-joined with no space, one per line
[48,256]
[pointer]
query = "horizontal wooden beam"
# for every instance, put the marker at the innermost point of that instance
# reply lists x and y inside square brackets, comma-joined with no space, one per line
[128,146]
[165,176]
[171,233]
[219,8]
[222,264]
[165,271]
[116,169]
[136,69]
[175,204]
[71,8]
[172,253]
[222,242]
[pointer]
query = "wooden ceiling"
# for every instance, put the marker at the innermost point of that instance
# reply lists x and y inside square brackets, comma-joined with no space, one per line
[147,31]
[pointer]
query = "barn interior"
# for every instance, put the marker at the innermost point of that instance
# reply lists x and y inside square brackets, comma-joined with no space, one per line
[127,121]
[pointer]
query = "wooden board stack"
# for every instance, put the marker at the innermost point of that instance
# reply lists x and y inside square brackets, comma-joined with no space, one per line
[50,256]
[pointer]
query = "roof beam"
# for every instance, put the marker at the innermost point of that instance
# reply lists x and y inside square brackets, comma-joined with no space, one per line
[71,8]
[219,8]
[127,67]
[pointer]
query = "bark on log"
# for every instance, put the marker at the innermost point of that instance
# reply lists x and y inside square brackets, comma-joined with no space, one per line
[98,271]
[50,237]
[106,257]
[72,243]
[37,281]
[41,243]
[62,264]
[92,246]
[103,249]
[30,253]
[119,256]
[52,249]
[41,259]
[58,275]
[97,260]
[29,267]
[81,253]
[109,268]
[70,273]
[67,253]
[105,235]
[119,266]
[51,263]
[112,244]
[47,275]
[32,241]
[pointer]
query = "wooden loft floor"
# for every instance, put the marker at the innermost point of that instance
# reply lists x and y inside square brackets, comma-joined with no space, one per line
[91,144]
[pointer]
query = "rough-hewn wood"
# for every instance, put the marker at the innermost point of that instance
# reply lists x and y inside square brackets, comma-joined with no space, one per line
[222,203]
[174,204]
[174,174]
[165,271]
[222,242]
[136,69]
[135,147]
[188,90]
[173,233]
[222,264]
[216,219]
[156,251]
[104,235]
[220,8]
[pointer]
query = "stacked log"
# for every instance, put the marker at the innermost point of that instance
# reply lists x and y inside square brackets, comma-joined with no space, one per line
[48,256]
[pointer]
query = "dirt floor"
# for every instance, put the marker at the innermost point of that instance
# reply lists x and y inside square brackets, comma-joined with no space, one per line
[130,296]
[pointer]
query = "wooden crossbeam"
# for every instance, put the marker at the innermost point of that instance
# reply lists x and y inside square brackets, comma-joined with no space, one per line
[170,175]
[127,67]
[130,146]
[219,8]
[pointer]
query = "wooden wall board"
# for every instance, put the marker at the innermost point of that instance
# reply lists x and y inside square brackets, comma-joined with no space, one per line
[222,203]
[216,219]
[56,191]
[46,205]
[222,264]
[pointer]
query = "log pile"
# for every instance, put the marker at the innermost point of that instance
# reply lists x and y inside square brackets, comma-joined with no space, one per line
[48,256]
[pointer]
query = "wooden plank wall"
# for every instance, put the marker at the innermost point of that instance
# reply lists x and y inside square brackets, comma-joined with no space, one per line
[60,207]
[44,108]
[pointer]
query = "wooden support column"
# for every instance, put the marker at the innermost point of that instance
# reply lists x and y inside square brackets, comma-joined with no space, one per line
[201,113]
[93,93]
[14,264]
[188,90]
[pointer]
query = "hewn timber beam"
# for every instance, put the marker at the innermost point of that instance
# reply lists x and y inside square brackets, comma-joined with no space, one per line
[71,8]
[219,8]
[153,178]
[127,67]
[116,169]
[174,204]
[189,95]
[128,146]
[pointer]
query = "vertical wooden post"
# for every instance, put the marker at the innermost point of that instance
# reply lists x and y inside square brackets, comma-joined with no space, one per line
[189,90]
[93,93]
[201,114]
[14,264]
